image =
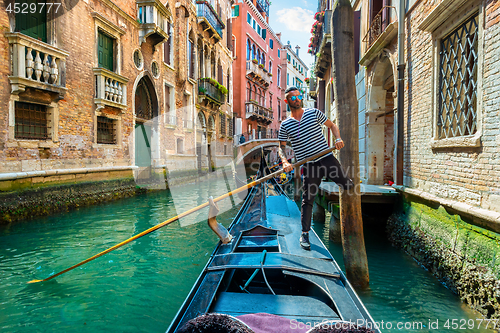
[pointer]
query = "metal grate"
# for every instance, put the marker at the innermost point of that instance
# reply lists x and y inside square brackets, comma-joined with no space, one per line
[458,81]
[31,121]
[223,124]
[106,130]
[230,127]
[138,59]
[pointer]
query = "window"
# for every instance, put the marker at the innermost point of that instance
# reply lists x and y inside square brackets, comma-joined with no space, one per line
[279,53]
[270,67]
[106,132]
[249,50]
[222,125]
[230,129]
[287,78]
[249,18]
[270,101]
[33,24]
[279,77]
[457,108]
[249,91]
[236,11]
[180,146]
[258,29]
[167,47]
[264,34]
[31,121]
[190,52]
[279,108]
[271,44]
[105,51]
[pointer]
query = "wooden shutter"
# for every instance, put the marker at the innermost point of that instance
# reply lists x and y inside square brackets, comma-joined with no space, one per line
[229,27]
[220,75]
[33,24]
[167,46]
[105,51]
[264,33]
[236,11]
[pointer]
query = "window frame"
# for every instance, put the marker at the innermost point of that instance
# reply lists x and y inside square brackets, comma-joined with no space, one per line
[118,128]
[113,31]
[449,24]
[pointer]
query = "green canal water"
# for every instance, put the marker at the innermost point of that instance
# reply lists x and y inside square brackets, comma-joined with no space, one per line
[140,287]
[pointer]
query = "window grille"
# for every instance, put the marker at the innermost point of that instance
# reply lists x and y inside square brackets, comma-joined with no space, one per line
[31,121]
[223,125]
[106,130]
[457,114]
[230,130]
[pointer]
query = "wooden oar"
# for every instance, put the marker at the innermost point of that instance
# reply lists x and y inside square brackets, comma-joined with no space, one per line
[175,218]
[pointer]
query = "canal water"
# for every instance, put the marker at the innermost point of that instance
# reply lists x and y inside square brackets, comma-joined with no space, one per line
[140,287]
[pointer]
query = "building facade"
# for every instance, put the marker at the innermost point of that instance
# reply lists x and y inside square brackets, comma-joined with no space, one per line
[258,86]
[102,85]
[450,217]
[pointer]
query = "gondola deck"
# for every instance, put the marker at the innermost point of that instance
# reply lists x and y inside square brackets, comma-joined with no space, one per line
[309,285]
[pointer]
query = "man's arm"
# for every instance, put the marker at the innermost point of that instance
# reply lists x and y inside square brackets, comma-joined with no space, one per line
[339,144]
[281,151]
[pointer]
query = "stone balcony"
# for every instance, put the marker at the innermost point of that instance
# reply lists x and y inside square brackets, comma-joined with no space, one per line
[254,111]
[110,89]
[37,65]
[258,72]
[324,52]
[153,18]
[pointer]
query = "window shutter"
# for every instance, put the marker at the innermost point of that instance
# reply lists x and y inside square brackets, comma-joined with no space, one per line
[249,18]
[271,43]
[105,51]
[32,24]
[236,11]
[219,75]
[264,33]
[167,46]
[229,38]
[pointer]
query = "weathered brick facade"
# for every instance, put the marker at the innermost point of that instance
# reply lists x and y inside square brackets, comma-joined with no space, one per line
[72,141]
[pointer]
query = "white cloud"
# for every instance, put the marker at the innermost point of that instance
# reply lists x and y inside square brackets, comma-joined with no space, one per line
[296,18]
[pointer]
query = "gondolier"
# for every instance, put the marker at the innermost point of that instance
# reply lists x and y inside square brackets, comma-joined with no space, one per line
[303,130]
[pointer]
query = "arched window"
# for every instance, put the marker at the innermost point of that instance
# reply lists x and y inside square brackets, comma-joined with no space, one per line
[263,59]
[249,91]
[249,50]
[260,97]
[254,55]
[270,67]
[255,95]
[258,54]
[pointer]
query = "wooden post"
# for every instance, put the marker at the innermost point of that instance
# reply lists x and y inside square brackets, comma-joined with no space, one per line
[353,242]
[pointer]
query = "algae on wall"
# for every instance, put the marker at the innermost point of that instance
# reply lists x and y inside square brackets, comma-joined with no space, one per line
[465,257]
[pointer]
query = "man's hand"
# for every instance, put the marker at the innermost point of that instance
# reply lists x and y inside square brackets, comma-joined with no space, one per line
[339,144]
[287,167]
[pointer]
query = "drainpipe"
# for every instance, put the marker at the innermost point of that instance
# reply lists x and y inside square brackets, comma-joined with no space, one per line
[401,97]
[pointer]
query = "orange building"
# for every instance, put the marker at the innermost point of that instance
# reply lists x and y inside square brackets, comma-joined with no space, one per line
[258,86]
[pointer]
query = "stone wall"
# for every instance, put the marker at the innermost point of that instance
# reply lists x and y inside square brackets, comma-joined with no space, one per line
[458,172]
[464,257]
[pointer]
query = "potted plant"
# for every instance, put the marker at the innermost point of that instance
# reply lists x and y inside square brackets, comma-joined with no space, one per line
[261,65]
[255,61]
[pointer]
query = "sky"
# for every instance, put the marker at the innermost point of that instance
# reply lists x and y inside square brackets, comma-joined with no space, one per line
[294,19]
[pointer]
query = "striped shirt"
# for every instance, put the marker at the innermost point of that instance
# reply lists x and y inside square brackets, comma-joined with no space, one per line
[305,135]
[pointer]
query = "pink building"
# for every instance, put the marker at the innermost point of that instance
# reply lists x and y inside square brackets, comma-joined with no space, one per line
[258,86]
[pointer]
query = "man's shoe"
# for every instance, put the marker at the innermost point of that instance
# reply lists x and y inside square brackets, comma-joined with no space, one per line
[304,241]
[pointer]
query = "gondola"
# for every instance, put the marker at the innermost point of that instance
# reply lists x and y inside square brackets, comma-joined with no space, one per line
[263,278]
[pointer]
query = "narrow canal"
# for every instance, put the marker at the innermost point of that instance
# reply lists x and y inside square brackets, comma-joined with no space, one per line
[139,287]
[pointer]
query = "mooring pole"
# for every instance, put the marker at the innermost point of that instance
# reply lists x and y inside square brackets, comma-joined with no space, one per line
[353,242]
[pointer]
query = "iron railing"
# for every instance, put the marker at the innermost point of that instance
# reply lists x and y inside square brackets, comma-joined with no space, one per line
[254,109]
[379,23]
[208,89]
[204,9]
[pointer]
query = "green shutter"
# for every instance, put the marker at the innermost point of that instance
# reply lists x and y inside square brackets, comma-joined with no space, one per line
[264,33]
[236,11]
[249,18]
[271,43]
[32,24]
[105,51]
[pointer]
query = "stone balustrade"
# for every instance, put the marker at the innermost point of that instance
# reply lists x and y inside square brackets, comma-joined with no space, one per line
[111,89]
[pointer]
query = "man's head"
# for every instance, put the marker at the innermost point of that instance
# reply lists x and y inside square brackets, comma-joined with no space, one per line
[293,98]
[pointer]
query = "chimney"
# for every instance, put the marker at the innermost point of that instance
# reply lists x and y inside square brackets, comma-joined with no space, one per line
[279,35]
[297,48]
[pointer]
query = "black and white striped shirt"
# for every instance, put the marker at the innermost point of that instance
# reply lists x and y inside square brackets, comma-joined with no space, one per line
[305,135]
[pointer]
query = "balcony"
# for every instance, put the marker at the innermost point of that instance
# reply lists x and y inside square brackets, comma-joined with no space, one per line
[258,72]
[152,16]
[263,6]
[209,20]
[37,65]
[379,35]
[110,89]
[254,111]
[324,52]
[208,90]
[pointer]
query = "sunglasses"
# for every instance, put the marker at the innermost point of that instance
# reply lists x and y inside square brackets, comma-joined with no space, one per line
[293,98]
